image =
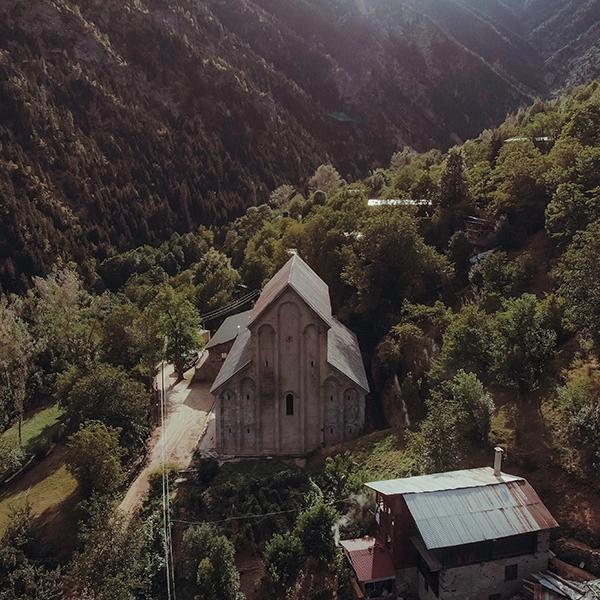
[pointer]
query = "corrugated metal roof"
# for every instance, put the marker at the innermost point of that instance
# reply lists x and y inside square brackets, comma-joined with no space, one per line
[555,586]
[304,281]
[398,202]
[239,356]
[370,561]
[230,328]
[464,507]
[343,353]
[465,516]
[451,480]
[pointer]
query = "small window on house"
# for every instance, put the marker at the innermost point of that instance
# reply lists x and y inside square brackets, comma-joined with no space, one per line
[289,405]
[247,396]
[248,430]
[511,572]
[230,430]
[331,398]
[266,363]
[312,363]
[223,355]
[495,597]
[331,430]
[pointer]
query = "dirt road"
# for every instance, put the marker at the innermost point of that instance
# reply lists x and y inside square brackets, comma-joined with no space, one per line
[188,405]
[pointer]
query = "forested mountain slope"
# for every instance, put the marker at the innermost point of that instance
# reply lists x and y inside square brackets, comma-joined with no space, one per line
[121,122]
[566,33]
[465,351]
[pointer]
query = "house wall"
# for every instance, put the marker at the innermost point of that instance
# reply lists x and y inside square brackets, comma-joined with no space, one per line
[407,582]
[480,581]
[289,356]
[396,527]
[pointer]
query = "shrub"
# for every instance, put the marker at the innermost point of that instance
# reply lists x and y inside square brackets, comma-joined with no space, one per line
[459,416]
[315,527]
[12,458]
[283,558]
[579,399]
[94,458]
[210,559]
[41,446]
[499,275]
[207,470]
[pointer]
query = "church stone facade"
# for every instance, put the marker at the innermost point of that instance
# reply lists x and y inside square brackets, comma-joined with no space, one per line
[294,379]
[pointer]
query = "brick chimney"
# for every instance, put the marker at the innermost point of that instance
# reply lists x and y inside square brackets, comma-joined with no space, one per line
[498,452]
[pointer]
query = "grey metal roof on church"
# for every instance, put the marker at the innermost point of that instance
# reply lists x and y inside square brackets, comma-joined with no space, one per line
[230,328]
[304,281]
[343,351]
[239,356]
[464,507]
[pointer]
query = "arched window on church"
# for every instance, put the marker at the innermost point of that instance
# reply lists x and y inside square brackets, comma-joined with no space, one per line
[289,405]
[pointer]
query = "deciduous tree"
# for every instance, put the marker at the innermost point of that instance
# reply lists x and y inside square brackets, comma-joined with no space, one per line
[326,179]
[209,560]
[16,353]
[177,322]
[283,558]
[108,394]
[94,458]
[314,527]
[523,343]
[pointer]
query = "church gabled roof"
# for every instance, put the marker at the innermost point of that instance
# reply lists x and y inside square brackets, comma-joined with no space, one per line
[239,356]
[229,330]
[343,352]
[304,281]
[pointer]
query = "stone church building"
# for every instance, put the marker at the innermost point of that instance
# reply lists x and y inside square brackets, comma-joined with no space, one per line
[294,379]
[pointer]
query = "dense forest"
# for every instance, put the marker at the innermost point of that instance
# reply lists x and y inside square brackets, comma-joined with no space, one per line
[122,123]
[466,349]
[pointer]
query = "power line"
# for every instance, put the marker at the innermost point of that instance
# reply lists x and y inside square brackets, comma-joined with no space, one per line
[240,517]
[218,312]
[234,304]
[257,516]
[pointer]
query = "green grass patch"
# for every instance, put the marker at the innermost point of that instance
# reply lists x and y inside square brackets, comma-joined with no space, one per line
[34,426]
[503,427]
[51,492]
[381,455]
[251,470]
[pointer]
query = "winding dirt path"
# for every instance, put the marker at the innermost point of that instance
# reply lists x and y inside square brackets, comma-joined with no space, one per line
[188,405]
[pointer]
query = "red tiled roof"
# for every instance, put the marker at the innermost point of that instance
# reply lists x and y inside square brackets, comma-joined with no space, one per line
[370,561]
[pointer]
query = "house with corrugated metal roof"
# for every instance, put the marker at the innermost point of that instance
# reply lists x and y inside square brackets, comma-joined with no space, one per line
[462,535]
[294,378]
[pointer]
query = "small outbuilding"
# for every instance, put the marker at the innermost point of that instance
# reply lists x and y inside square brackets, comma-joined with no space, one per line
[221,342]
[375,576]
